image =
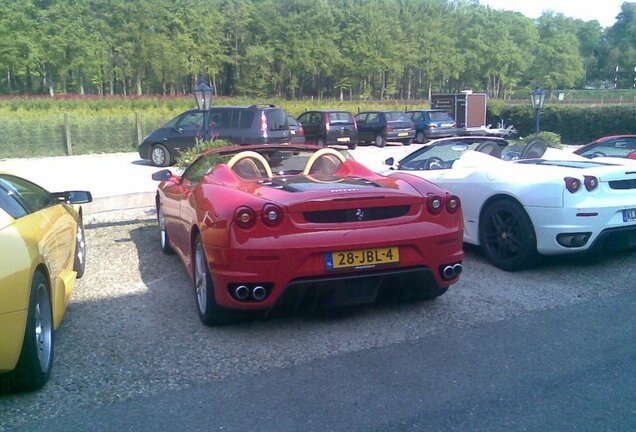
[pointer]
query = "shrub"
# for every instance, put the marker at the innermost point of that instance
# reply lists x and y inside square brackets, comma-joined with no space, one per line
[551,139]
[185,158]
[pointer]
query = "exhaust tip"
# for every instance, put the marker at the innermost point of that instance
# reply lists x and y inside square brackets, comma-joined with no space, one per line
[241,292]
[457,269]
[448,272]
[259,293]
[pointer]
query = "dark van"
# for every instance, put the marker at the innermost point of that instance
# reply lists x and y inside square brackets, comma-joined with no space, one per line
[256,124]
[328,127]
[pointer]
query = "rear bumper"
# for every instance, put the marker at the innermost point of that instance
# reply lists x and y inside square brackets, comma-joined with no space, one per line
[290,262]
[400,135]
[440,132]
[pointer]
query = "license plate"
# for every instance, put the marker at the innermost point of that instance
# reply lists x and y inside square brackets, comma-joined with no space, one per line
[364,258]
[447,125]
[403,134]
[629,215]
[293,132]
[343,139]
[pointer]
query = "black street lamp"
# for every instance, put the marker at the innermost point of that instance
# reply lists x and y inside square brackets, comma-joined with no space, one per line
[203,96]
[537,97]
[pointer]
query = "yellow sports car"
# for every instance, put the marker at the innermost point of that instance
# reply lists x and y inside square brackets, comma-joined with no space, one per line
[42,252]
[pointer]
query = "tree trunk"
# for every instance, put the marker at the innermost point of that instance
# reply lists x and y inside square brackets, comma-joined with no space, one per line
[138,82]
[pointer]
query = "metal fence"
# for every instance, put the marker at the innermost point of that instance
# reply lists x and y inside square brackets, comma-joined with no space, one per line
[67,134]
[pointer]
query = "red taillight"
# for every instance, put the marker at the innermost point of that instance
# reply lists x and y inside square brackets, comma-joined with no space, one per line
[263,122]
[431,126]
[452,203]
[327,124]
[355,126]
[245,217]
[300,131]
[272,215]
[388,128]
[590,182]
[434,204]
[572,184]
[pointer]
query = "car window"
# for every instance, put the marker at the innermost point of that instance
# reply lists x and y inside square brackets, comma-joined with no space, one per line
[200,167]
[276,119]
[304,118]
[619,147]
[438,156]
[396,116]
[172,123]
[373,118]
[417,116]
[340,117]
[191,121]
[440,116]
[10,204]
[361,118]
[225,118]
[32,196]
[247,118]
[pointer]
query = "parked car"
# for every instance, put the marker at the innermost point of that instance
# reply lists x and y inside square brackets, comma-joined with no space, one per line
[256,124]
[264,228]
[617,146]
[296,130]
[385,125]
[329,127]
[42,252]
[540,201]
[431,124]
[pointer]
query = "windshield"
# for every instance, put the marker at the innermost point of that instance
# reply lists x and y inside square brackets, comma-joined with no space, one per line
[440,116]
[438,156]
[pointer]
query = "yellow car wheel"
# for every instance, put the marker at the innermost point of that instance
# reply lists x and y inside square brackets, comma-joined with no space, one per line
[36,358]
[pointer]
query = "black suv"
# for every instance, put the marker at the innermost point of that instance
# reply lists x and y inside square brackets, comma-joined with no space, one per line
[256,124]
[385,125]
[328,127]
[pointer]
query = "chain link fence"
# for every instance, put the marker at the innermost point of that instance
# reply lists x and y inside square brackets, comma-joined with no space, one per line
[66,134]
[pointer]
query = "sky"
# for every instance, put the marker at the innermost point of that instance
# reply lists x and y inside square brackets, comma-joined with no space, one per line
[604,11]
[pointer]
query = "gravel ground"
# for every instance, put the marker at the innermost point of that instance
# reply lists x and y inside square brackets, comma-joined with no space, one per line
[132,330]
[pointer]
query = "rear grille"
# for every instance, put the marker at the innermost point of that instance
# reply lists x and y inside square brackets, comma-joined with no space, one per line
[623,184]
[356,214]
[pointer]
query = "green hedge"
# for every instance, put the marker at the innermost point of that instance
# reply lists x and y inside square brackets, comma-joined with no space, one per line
[575,125]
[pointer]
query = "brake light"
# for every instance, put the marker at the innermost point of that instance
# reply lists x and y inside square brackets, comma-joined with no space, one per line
[434,204]
[590,182]
[327,124]
[263,122]
[355,126]
[572,184]
[431,126]
[245,217]
[452,203]
[272,215]
[300,131]
[388,128]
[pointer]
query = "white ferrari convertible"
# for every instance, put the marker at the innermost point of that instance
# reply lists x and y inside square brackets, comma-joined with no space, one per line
[523,201]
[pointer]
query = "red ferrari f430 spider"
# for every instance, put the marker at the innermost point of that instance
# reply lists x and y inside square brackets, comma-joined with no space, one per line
[293,226]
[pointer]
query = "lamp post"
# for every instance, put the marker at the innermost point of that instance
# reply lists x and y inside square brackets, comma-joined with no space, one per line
[537,97]
[203,96]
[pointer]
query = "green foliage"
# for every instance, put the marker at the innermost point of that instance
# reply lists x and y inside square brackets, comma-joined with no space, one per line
[185,158]
[551,139]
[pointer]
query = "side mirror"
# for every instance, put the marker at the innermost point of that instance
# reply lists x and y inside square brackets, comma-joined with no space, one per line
[390,161]
[74,197]
[163,175]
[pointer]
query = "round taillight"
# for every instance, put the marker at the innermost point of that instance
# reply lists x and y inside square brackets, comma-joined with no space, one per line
[590,182]
[452,203]
[434,204]
[245,217]
[572,184]
[272,214]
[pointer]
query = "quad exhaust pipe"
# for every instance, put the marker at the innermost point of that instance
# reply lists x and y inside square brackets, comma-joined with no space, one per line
[259,293]
[452,270]
[241,292]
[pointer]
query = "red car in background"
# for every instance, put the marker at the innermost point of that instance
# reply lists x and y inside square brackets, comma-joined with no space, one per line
[292,226]
[619,146]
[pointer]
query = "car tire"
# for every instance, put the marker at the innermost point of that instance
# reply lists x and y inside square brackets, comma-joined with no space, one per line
[160,156]
[352,145]
[420,137]
[507,236]
[408,142]
[164,239]
[79,262]
[36,357]
[210,313]
[380,141]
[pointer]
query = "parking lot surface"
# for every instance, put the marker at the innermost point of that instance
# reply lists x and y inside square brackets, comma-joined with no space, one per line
[131,330]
